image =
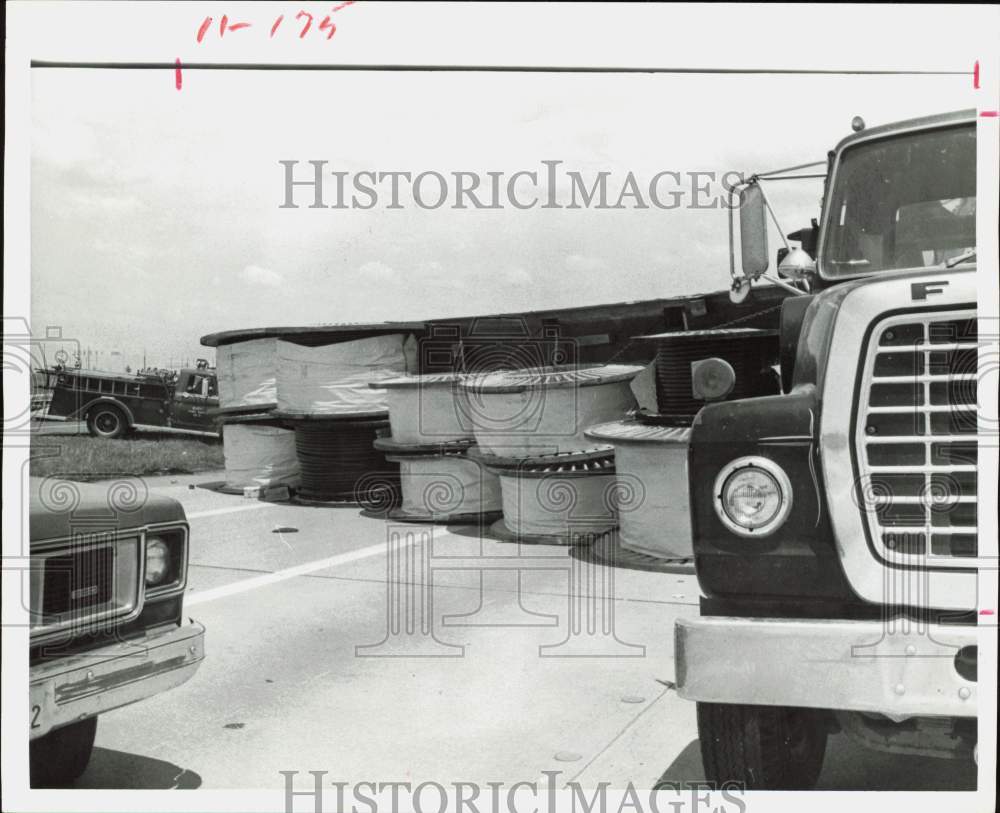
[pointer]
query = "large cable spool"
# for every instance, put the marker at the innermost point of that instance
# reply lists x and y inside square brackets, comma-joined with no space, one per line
[340,464]
[247,375]
[750,352]
[566,499]
[442,483]
[545,411]
[427,409]
[259,452]
[334,379]
[651,470]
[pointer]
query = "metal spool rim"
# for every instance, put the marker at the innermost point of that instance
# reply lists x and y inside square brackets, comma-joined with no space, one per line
[500,530]
[610,551]
[542,466]
[357,419]
[359,330]
[664,419]
[416,382]
[238,490]
[342,498]
[243,409]
[360,418]
[468,518]
[633,432]
[346,501]
[552,377]
[263,419]
[707,333]
[447,448]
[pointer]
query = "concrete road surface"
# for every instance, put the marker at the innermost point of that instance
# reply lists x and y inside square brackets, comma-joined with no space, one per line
[389,652]
[51,427]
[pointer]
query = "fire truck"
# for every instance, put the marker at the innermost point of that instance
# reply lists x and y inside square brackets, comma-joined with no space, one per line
[835,525]
[113,405]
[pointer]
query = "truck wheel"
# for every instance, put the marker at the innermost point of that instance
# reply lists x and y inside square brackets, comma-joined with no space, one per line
[761,747]
[105,421]
[58,758]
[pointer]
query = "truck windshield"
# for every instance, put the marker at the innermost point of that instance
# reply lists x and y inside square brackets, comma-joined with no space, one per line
[903,202]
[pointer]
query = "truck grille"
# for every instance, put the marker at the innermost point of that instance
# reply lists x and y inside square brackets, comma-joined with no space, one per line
[916,438]
[82,586]
[77,581]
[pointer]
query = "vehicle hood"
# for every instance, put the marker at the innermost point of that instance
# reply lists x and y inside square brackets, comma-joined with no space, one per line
[61,508]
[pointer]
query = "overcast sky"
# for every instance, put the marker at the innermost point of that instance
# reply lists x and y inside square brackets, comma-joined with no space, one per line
[155,213]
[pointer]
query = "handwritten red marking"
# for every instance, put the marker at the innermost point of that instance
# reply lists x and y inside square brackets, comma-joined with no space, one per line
[975,75]
[309,22]
[224,25]
[986,612]
[343,5]
[276,24]
[203,28]
[323,26]
[989,114]
[177,74]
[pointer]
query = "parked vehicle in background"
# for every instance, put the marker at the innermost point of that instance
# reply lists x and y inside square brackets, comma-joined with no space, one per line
[113,404]
[835,525]
[108,574]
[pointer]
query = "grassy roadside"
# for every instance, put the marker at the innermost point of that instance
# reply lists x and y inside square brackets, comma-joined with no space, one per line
[87,458]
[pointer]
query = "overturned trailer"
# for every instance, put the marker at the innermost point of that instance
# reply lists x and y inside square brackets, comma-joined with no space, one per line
[321,380]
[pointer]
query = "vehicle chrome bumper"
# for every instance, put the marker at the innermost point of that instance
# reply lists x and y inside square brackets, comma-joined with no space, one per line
[65,690]
[894,668]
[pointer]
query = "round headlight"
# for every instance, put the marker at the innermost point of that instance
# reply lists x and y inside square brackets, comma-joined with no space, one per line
[753,496]
[157,561]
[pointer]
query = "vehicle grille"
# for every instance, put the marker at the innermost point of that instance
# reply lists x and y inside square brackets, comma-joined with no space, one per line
[81,586]
[916,438]
[77,581]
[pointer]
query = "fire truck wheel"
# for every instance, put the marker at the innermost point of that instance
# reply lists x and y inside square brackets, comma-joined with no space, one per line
[58,758]
[106,421]
[761,747]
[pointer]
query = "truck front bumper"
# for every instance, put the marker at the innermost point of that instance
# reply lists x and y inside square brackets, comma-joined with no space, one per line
[67,689]
[896,668]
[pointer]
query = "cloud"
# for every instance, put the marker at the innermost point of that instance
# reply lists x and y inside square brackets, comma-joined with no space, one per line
[255,275]
[376,270]
[517,276]
[578,263]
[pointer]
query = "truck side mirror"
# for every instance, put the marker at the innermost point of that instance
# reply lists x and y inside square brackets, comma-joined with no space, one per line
[753,231]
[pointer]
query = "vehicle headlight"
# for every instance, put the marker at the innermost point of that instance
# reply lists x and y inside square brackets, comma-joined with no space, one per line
[157,561]
[753,496]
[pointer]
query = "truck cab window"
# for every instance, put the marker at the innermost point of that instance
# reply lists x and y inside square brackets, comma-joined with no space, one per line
[905,203]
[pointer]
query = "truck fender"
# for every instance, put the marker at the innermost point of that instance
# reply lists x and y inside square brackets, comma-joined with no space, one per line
[82,412]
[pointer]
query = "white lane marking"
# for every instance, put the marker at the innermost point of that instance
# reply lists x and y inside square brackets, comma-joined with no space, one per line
[232,509]
[289,573]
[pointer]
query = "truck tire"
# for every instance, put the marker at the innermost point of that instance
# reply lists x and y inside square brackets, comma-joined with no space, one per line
[58,758]
[106,421]
[761,747]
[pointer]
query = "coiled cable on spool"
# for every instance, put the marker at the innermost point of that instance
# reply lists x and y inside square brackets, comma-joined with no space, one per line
[441,483]
[259,451]
[339,462]
[565,499]
[654,527]
[750,352]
